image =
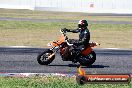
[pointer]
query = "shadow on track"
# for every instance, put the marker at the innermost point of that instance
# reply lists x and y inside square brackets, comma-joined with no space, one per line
[77,65]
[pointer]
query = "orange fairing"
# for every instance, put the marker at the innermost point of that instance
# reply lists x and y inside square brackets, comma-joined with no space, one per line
[60,41]
[87,51]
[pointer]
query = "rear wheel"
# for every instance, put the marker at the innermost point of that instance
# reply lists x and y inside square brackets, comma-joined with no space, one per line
[88,60]
[46,57]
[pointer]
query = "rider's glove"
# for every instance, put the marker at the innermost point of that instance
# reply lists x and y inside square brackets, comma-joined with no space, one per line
[66,30]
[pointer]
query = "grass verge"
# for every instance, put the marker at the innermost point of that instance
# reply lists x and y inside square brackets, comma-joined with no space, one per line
[38,34]
[52,82]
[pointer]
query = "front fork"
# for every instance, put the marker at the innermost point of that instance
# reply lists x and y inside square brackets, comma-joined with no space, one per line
[51,55]
[54,49]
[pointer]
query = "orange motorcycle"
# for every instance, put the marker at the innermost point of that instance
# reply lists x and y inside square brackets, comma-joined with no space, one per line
[68,52]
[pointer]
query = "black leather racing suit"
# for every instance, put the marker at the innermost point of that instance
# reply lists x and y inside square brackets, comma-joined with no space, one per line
[82,43]
[84,37]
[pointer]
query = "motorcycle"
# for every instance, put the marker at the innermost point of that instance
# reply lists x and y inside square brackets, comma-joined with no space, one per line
[68,52]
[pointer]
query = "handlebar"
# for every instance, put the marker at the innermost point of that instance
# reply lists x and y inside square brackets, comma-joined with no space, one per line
[62,31]
[66,38]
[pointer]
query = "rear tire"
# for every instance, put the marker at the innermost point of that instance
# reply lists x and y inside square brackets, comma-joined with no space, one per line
[43,59]
[88,60]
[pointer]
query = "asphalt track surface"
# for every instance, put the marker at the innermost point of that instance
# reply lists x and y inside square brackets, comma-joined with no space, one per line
[23,60]
[63,20]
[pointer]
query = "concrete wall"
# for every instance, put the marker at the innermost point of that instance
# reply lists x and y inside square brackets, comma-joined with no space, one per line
[17,4]
[90,6]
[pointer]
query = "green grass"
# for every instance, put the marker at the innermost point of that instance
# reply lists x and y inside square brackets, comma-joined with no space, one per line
[51,82]
[29,33]
[38,34]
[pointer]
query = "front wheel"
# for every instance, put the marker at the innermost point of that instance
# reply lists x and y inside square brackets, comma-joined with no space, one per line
[46,57]
[88,60]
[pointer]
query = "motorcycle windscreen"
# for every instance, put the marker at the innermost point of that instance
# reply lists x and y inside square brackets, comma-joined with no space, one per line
[87,51]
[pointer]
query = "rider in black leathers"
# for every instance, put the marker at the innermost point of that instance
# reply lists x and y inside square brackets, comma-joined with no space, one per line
[84,36]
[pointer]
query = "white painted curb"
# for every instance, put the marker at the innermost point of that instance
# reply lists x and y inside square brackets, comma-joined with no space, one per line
[36,74]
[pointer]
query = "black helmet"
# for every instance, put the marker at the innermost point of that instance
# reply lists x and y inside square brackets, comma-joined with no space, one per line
[82,23]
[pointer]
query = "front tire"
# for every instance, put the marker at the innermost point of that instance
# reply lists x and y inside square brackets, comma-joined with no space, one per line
[88,60]
[43,58]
